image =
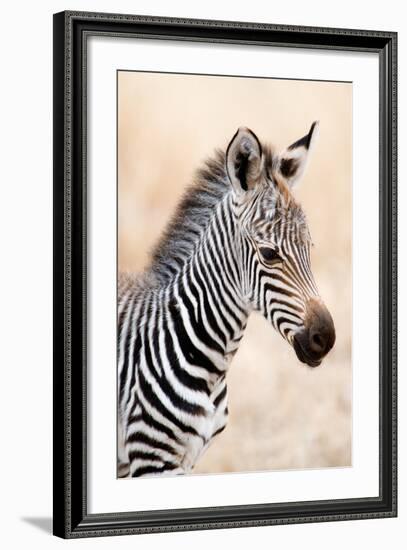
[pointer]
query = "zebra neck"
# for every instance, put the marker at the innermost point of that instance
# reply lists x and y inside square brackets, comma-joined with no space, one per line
[205,302]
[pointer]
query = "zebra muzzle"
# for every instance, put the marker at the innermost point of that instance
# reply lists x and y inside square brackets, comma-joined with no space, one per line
[316,339]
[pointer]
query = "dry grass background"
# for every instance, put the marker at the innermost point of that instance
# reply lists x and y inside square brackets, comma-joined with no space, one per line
[283,415]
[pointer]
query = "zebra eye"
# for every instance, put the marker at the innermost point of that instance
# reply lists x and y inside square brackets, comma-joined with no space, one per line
[269,255]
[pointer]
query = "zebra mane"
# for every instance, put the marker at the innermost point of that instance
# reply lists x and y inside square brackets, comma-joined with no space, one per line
[191,217]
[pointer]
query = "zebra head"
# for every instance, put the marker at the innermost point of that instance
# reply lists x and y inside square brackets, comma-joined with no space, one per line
[275,242]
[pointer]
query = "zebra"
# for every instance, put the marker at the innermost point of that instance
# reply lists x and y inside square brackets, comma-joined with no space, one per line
[238,242]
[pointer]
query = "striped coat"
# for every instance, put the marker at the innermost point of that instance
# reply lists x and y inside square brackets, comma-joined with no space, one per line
[238,242]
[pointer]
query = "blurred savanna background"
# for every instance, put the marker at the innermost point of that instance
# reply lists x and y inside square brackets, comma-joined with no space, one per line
[282,414]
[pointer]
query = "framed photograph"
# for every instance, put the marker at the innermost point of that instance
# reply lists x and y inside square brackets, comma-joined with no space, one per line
[224,274]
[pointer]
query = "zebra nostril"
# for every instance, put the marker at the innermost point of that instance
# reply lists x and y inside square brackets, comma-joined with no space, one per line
[317,342]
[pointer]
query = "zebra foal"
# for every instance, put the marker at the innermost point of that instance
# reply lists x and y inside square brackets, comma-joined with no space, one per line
[239,241]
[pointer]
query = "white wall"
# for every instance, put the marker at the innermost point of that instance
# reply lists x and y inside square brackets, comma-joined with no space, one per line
[26,262]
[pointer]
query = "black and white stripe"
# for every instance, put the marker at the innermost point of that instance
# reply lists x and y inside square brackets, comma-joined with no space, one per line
[182,321]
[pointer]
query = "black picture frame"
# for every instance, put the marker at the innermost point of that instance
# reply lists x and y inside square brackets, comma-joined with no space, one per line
[71,518]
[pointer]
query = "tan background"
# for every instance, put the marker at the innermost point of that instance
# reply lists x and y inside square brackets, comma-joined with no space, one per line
[282,414]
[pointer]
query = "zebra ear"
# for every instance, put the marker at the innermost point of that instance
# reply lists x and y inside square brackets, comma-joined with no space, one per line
[294,159]
[244,160]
